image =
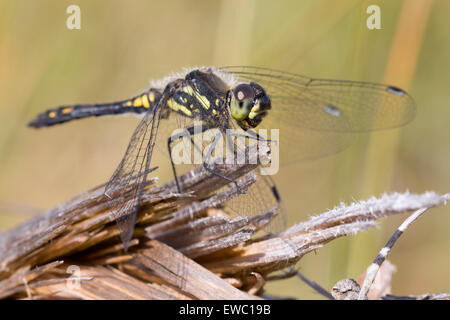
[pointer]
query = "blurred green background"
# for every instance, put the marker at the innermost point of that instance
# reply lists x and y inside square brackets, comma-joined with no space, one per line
[124,44]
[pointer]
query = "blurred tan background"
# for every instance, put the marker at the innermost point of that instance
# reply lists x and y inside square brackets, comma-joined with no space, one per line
[124,44]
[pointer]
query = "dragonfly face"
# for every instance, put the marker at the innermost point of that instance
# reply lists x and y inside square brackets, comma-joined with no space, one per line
[248,104]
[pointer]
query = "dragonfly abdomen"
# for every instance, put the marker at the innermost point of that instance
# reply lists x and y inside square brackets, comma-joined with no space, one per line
[138,104]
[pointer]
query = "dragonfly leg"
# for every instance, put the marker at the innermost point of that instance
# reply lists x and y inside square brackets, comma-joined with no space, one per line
[252,135]
[191,131]
[207,158]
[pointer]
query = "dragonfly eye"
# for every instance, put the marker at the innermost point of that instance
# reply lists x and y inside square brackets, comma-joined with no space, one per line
[243,92]
[242,99]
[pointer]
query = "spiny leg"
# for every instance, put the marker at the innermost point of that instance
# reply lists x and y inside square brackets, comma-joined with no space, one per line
[250,134]
[191,131]
[201,129]
[207,158]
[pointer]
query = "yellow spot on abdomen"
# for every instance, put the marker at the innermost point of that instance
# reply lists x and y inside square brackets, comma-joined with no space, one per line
[52,114]
[66,110]
[145,101]
[137,102]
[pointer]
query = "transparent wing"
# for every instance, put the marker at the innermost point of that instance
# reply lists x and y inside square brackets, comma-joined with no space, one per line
[316,117]
[126,186]
[261,197]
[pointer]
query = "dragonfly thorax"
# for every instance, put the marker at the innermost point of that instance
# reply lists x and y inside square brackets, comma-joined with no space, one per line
[248,104]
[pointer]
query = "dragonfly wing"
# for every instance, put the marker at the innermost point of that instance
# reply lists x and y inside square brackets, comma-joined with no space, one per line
[261,197]
[126,186]
[317,117]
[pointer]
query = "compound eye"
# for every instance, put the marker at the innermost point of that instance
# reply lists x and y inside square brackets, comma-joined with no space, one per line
[243,92]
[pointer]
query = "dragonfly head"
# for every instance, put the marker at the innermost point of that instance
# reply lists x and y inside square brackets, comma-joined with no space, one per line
[248,104]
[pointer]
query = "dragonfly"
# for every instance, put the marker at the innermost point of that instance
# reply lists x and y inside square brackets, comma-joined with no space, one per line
[314,118]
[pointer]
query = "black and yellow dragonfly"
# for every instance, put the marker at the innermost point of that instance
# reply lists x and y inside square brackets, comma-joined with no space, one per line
[315,117]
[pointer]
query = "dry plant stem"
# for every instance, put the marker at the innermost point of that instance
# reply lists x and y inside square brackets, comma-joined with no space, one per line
[372,270]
